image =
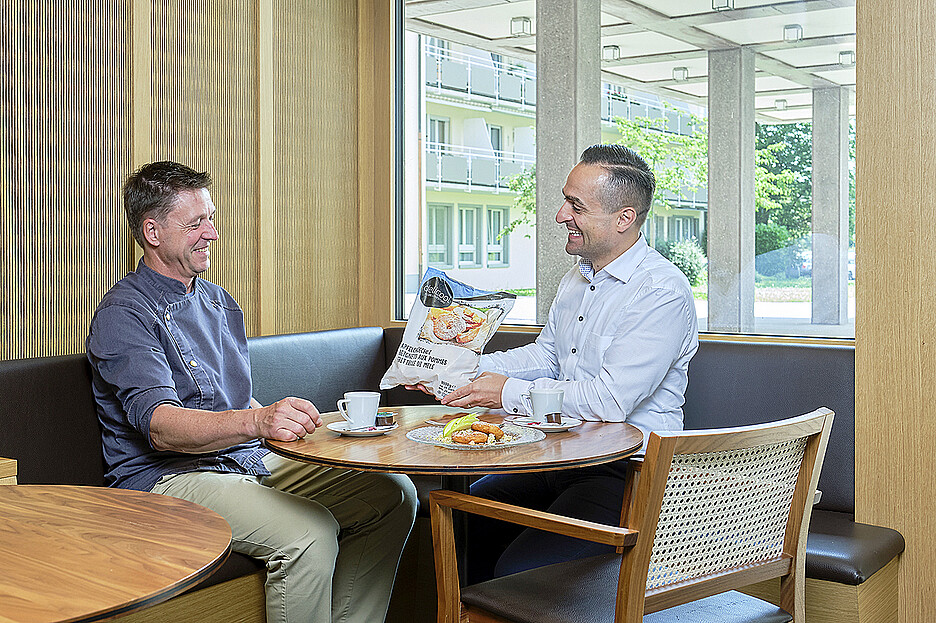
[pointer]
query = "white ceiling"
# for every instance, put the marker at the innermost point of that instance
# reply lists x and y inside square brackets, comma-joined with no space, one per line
[654,36]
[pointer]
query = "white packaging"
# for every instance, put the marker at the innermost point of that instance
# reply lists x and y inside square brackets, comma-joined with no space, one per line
[448,327]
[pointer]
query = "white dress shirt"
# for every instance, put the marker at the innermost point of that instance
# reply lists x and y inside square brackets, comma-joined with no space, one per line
[617,342]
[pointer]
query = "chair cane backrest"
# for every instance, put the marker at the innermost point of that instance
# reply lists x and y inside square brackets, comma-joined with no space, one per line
[727,508]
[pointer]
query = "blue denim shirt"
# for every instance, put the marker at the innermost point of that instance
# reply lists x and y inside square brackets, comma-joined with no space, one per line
[152,343]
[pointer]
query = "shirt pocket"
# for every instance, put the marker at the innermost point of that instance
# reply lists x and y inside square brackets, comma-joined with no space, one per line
[593,353]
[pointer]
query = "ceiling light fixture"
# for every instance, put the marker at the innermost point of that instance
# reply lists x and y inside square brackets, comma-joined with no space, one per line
[520,26]
[680,74]
[610,53]
[792,33]
[779,104]
[722,5]
[846,58]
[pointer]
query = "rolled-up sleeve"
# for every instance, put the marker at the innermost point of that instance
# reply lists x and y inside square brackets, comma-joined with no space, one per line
[125,349]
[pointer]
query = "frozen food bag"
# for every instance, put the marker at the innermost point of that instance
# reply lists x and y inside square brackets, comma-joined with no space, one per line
[448,327]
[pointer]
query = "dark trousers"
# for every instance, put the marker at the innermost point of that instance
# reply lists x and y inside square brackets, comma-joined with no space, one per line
[496,548]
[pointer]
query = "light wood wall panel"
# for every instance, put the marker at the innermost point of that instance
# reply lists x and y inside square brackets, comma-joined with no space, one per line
[204,114]
[895,329]
[64,117]
[315,169]
[271,98]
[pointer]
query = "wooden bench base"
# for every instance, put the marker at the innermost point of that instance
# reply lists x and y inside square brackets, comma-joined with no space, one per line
[240,600]
[873,601]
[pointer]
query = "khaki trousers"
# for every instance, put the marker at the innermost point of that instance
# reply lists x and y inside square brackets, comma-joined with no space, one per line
[331,538]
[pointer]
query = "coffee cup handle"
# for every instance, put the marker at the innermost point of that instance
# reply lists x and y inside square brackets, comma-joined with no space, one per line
[527,403]
[342,405]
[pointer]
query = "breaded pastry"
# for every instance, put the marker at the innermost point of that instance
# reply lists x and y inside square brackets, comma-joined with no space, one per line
[488,429]
[469,436]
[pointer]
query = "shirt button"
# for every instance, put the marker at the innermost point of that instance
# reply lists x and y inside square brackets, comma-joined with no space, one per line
[193,363]
[515,409]
[592,288]
[168,316]
[573,351]
[581,318]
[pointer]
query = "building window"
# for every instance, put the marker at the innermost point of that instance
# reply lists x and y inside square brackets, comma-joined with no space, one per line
[438,131]
[439,235]
[496,244]
[437,47]
[497,141]
[684,228]
[469,236]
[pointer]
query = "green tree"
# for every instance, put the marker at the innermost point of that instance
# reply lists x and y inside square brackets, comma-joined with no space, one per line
[793,155]
[524,204]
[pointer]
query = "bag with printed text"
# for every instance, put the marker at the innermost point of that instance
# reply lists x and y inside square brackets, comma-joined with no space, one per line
[448,327]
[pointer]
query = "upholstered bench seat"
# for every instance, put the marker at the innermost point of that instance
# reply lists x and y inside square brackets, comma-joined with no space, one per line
[839,549]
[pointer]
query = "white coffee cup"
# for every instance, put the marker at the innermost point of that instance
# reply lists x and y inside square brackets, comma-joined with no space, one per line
[545,404]
[359,408]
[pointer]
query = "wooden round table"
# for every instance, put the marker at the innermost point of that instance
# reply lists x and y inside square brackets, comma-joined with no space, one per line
[590,443]
[70,553]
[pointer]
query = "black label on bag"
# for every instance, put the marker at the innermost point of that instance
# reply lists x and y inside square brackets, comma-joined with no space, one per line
[435,293]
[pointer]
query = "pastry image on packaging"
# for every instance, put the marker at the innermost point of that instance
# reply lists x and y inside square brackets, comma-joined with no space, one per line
[448,327]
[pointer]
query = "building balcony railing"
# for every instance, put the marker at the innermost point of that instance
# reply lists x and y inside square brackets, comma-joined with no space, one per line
[470,167]
[495,81]
[484,78]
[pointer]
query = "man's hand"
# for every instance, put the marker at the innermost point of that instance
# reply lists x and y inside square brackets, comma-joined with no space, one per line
[484,391]
[420,387]
[286,420]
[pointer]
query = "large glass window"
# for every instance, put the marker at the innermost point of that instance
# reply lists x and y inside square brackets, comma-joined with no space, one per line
[784,247]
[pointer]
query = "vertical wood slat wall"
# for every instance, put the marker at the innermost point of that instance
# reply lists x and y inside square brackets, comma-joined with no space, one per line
[895,323]
[64,142]
[96,88]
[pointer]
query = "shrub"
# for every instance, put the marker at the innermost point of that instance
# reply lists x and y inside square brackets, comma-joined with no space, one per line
[688,257]
[772,252]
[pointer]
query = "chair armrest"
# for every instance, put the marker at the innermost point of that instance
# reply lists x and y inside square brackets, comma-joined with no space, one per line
[577,528]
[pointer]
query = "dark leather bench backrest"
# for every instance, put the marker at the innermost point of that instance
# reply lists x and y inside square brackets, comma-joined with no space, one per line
[319,366]
[740,383]
[48,422]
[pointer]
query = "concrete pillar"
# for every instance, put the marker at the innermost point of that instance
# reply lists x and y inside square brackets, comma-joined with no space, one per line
[731,190]
[830,206]
[568,119]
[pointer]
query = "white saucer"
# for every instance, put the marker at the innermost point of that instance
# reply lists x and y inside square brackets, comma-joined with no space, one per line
[546,427]
[372,431]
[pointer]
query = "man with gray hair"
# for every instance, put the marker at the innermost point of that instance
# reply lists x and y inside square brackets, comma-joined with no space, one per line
[171,376]
[618,341]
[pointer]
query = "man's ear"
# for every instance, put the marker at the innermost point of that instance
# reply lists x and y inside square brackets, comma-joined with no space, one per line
[626,218]
[151,232]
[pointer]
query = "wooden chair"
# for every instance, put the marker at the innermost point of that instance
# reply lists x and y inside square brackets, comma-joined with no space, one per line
[713,510]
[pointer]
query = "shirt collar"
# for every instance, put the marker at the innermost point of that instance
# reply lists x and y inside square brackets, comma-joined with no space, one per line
[164,284]
[623,266]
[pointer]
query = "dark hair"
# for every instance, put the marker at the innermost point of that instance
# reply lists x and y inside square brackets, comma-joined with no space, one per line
[631,181]
[151,192]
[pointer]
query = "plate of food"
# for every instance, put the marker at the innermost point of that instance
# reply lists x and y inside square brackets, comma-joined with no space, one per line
[369,431]
[470,433]
[546,427]
[442,420]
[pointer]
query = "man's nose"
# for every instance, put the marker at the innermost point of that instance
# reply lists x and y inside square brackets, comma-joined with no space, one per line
[563,215]
[211,232]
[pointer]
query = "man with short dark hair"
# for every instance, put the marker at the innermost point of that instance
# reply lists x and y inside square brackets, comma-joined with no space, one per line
[171,376]
[618,341]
